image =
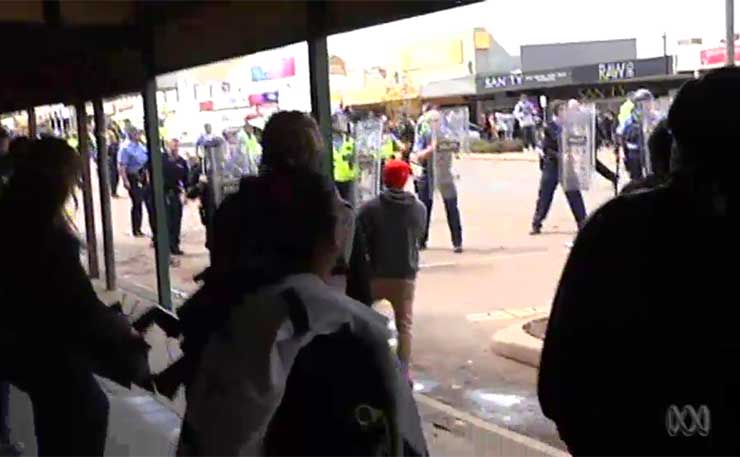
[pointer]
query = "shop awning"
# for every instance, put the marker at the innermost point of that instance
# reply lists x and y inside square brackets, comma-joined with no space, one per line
[66,50]
[449,88]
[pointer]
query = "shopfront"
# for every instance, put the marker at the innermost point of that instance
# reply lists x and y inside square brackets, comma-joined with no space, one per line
[602,83]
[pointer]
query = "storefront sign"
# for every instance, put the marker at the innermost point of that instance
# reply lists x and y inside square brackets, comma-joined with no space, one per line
[281,68]
[237,101]
[717,56]
[623,70]
[606,72]
[494,83]
[616,70]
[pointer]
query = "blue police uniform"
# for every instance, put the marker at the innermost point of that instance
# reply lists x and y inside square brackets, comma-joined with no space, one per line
[633,147]
[133,156]
[549,181]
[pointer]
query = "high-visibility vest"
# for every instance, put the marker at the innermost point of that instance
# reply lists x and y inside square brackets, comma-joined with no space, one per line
[344,167]
[72,142]
[250,144]
[387,150]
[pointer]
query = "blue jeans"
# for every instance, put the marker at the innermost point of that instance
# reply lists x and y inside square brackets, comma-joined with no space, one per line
[426,195]
[548,183]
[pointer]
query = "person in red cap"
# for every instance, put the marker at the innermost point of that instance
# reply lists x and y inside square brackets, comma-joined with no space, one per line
[394,224]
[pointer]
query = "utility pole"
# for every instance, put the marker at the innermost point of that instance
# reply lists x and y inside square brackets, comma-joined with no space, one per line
[665,53]
[730,23]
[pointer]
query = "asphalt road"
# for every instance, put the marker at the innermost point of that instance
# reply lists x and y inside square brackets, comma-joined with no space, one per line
[502,268]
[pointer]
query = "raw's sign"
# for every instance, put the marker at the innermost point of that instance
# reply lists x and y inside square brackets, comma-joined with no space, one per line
[616,70]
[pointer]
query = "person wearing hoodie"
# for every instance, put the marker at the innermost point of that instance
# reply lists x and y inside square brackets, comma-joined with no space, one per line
[394,223]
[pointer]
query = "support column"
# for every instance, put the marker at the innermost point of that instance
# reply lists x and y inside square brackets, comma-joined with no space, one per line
[730,24]
[162,244]
[32,128]
[87,197]
[104,190]
[318,65]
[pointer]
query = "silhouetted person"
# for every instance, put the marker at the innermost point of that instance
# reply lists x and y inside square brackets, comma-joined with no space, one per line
[640,347]
[54,331]
[293,357]
[8,447]
[659,146]
[292,140]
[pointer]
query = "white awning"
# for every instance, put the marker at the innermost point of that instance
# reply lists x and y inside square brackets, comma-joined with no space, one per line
[449,88]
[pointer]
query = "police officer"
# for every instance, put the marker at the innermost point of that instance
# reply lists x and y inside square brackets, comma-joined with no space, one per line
[424,147]
[632,136]
[175,173]
[345,169]
[550,173]
[249,143]
[132,160]
[389,146]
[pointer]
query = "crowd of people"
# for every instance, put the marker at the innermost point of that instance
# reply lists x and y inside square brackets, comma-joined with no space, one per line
[298,260]
[281,337]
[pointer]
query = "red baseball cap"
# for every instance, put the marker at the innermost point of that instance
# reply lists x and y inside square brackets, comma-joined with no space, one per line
[396,173]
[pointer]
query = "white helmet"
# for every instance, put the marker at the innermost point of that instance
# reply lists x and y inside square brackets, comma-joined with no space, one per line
[642,95]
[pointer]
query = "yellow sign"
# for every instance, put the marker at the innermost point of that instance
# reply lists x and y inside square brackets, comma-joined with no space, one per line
[482,39]
[432,54]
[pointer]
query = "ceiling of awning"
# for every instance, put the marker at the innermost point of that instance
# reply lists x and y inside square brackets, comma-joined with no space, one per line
[66,50]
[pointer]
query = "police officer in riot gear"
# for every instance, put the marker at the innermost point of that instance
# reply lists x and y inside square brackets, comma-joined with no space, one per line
[632,135]
[551,172]
[343,149]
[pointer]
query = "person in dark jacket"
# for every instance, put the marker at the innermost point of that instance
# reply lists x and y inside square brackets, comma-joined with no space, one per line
[8,447]
[551,172]
[273,273]
[114,144]
[644,366]
[54,331]
[660,144]
[394,224]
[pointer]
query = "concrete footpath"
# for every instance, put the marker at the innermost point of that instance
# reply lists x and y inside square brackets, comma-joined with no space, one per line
[143,424]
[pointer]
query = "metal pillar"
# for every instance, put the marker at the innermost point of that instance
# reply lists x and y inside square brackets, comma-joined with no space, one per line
[730,23]
[32,128]
[104,189]
[162,244]
[87,197]
[318,65]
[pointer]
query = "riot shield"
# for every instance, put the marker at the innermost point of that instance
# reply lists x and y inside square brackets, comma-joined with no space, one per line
[451,138]
[223,172]
[653,111]
[368,136]
[238,162]
[577,147]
